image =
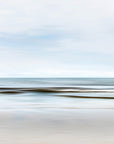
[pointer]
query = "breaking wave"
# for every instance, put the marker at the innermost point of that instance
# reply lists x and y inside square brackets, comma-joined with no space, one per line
[60,91]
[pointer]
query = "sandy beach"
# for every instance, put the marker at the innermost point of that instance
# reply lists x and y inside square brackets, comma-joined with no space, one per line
[58,126]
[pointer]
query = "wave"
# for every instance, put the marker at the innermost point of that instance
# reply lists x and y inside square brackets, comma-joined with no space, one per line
[15,90]
[86,97]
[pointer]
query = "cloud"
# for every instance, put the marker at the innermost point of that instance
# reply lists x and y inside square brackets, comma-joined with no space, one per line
[40,36]
[23,15]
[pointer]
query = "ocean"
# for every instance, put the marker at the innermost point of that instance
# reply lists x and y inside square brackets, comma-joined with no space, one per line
[56,93]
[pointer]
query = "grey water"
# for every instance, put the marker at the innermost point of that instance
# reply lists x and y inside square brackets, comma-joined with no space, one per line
[56,93]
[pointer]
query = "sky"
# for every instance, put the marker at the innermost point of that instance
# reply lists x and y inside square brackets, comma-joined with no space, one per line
[56,38]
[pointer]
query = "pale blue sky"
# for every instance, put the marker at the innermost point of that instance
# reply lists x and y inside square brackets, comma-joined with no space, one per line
[62,38]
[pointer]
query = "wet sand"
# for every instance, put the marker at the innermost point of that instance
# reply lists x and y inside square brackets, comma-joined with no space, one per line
[57,126]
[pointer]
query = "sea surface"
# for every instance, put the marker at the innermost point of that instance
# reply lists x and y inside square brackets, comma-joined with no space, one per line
[56,93]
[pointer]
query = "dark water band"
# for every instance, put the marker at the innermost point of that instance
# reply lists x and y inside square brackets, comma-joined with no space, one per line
[54,90]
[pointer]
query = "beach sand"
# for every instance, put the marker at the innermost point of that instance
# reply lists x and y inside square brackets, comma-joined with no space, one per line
[57,126]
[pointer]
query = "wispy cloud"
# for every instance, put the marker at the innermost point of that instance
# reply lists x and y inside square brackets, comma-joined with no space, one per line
[56,38]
